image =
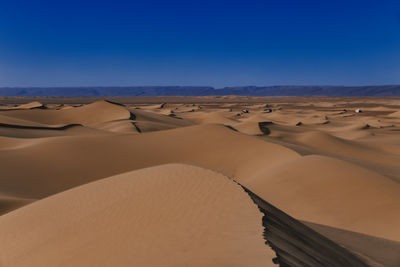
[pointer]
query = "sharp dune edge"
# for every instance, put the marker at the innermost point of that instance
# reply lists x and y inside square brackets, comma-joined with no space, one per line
[174,215]
[159,184]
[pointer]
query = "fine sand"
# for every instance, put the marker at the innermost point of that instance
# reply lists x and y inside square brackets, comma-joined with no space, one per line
[161,181]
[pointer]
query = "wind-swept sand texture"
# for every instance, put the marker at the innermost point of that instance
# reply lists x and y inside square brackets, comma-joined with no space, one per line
[171,215]
[314,159]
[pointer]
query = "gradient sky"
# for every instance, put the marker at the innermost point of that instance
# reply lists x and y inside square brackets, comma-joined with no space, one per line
[217,43]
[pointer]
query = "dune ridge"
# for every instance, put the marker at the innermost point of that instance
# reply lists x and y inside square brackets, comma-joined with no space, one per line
[200,218]
[297,245]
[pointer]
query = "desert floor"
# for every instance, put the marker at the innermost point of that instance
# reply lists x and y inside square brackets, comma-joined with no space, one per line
[199,181]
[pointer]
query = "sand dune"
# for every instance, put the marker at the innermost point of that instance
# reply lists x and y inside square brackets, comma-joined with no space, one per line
[246,159]
[395,114]
[101,111]
[99,156]
[173,215]
[332,192]
[9,203]
[65,167]
[148,121]
[30,105]
[334,145]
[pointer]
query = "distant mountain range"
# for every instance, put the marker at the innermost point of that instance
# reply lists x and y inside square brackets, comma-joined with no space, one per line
[281,90]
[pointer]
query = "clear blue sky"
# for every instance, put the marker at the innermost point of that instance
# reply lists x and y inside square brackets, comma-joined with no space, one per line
[217,43]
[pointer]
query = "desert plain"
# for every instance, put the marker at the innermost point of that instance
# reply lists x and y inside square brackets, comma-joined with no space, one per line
[200,181]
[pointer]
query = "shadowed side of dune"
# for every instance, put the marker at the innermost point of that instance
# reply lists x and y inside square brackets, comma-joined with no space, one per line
[9,203]
[298,245]
[264,127]
[382,251]
[62,127]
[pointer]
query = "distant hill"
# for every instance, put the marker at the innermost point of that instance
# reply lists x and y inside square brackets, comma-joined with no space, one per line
[384,90]
[281,90]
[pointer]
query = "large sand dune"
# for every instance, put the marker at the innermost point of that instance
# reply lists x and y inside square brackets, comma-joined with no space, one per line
[173,215]
[318,161]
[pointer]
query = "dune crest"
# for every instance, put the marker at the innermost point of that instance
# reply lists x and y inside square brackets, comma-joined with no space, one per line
[174,215]
[97,112]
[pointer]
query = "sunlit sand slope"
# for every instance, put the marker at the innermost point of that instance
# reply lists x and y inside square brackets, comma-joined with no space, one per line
[171,215]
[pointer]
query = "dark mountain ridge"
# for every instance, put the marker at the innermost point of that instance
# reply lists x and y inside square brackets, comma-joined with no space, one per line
[280,90]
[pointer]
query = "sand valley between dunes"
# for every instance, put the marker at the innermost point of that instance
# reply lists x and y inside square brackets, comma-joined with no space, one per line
[199,181]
